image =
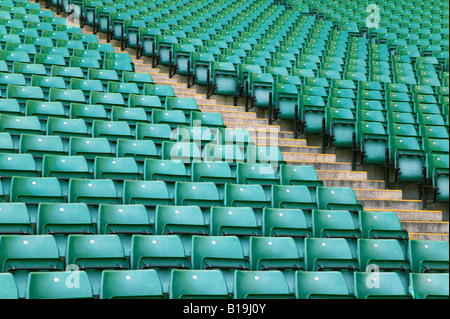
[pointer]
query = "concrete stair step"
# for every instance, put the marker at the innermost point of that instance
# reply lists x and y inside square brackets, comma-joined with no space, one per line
[339,174]
[279,141]
[386,194]
[426,226]
[429,236]
[247,120]
[229,114]
[300,149]
[409,204]
[265,127]
[311,157]
[342,168]
[219,107]
[411,215]
[353,183]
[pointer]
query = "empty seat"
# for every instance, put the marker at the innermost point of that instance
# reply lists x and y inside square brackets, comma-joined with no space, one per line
[161,253]
[59,285]
[22,254]
[95,253]
[300,175]
[148,193]
[206,284]
[14,219]
[12,164]
[9,287]
[184,221]
[242,195]
[112,130]
[133,284]
[338,198]
[382,225]
[379,285]
[124,221]
[260,284]
[429,286]
[93,192]
[428,256]
[276,253]
[295,197]
[321,285]
[219,252]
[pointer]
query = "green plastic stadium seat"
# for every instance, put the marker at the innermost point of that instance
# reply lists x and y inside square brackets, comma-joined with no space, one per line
[276,253]
[260,285]
[22,254]
[429,286]
[428,256]
[382,225]
[337,198]
[379,285]
[300,175]
[95,253]
[321,285]
[224,253]
[161,253]
[199,284]
[61,219]
[133,284]
[54,285]
[124,221]
[93,192]
[15,219]
[9,287]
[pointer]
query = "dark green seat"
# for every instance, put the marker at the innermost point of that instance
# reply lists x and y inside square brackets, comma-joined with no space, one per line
[59,285]
[379,285]
[160,253]
[124,221]
[198,284]
[95,253]
[429,286]
[224,253]
[62,219]
[276,253]
[22,254]
[321,285]
[184,221]
[14,219]
[130,284]
[428,256]
[260,285]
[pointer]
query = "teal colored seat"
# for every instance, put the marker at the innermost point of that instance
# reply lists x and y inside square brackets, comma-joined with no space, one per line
[407,156]
[187,152]
[22,254]
[438,174]
[293,197]
[93,192]
[184,221]
[429,286]
[381,225]
[260,285]
[15,219]
[335,224]
[243,195]
[95,253]
[173,117]
[379,285]
[224,253]
[161,91]
[428,256]
[321,285]
[234,221]
[9,287]
[211,120]
[147,102]
[89,147]
[300,175]
[124,221]
[167,170]
[331,254]
[160,253]
[337,198]
[197,284]
[54,285]
[202,194]
[276,253]
[263,174]
[130,284]
[62,219]
[12,164]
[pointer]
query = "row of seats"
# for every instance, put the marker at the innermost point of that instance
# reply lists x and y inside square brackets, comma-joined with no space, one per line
[187,284]
[94,253]
[242,222]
